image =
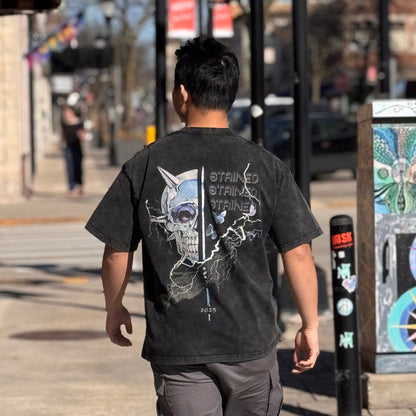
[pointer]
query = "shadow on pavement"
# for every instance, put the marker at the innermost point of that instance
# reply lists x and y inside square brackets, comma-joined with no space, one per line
[39,299]
[59,335]
[301,411]
[285,299]
[319,380]
[67,271]
[71,271]
[16,294]
[62,278]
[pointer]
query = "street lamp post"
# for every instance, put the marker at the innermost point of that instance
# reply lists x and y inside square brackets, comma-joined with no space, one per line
[257,71]
[210,19]
[161,120]
[108,8]
[384,74]
[302,144]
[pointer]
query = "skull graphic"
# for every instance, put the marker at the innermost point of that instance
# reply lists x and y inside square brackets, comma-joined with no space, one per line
[179,205]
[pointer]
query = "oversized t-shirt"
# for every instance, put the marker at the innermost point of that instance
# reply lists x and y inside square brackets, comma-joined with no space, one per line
[203,201]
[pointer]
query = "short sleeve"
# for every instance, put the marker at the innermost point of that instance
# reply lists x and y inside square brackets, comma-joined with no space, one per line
[293,223]
[115,220]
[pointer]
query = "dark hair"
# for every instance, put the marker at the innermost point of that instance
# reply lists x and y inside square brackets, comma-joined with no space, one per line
[209,72]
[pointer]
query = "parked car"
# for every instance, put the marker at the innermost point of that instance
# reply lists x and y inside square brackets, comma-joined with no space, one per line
[239,115]
[333,138]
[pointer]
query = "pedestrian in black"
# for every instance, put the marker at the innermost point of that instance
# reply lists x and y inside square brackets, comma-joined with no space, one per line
[73,133]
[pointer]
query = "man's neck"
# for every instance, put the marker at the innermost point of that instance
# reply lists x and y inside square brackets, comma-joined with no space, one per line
[207,118]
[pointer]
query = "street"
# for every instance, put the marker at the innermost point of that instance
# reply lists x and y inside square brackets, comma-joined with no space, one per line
[55,356]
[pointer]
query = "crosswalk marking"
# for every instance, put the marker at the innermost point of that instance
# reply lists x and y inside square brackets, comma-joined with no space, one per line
[66,245]
[43,244]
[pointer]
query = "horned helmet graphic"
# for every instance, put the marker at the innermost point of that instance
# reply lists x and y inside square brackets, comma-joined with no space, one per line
[179,206]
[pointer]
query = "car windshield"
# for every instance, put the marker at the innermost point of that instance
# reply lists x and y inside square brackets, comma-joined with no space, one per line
[239,114]
[238,118]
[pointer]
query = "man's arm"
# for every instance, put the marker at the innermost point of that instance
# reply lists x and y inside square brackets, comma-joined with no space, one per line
[116,271]
[301,275]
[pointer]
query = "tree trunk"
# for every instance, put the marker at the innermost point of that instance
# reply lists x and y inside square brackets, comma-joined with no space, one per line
[129,80]
[316,87]
[316,76]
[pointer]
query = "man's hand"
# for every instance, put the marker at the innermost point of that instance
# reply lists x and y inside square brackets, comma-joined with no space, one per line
[113,326]
[306,350]
[116,274]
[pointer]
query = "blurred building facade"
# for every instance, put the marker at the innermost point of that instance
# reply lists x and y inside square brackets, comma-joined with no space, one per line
[403,41]
[14,107]
[25,110]
[359,73]
[21,147]
[362,44]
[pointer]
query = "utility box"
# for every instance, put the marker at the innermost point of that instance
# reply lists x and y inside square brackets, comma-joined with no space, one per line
[386,231]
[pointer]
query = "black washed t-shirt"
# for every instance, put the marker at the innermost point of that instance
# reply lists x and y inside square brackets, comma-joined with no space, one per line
[203,201]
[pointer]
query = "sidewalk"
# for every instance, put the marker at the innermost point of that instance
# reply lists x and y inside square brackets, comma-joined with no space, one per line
[55,355]
[49,202]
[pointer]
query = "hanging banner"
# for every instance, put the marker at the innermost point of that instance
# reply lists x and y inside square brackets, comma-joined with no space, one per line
[222,20]
[181,19]
[55,41]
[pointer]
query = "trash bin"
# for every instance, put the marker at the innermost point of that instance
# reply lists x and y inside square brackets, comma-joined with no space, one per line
[386,230]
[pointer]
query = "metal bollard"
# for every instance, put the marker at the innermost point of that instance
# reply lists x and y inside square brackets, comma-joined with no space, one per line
[344,284]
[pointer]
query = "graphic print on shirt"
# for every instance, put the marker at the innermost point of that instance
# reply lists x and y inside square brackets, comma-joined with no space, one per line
[207,247]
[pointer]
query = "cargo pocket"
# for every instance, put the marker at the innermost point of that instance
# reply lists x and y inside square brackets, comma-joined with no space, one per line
[276,392]
[162,405]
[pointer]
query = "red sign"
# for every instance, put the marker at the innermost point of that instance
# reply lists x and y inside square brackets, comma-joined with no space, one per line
[372,74]
[342,240]
[222,20]
[181,19]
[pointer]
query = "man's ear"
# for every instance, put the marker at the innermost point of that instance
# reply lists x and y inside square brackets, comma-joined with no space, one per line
[184,93]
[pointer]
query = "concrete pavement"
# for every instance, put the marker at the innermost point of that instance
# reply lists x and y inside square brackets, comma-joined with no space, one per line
[55,358]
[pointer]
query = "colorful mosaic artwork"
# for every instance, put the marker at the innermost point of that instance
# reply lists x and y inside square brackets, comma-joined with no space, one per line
[402,323]
[394,169]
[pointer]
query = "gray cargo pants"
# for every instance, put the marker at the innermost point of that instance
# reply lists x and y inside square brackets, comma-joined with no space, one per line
[250,388]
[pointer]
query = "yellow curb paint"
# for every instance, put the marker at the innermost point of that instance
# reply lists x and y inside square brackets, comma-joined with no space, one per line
[75,280]
[9,222]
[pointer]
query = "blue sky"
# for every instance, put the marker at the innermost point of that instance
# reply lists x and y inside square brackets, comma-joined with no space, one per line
[95,17]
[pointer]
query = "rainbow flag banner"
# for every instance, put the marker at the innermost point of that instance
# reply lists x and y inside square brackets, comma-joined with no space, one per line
[56,41]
